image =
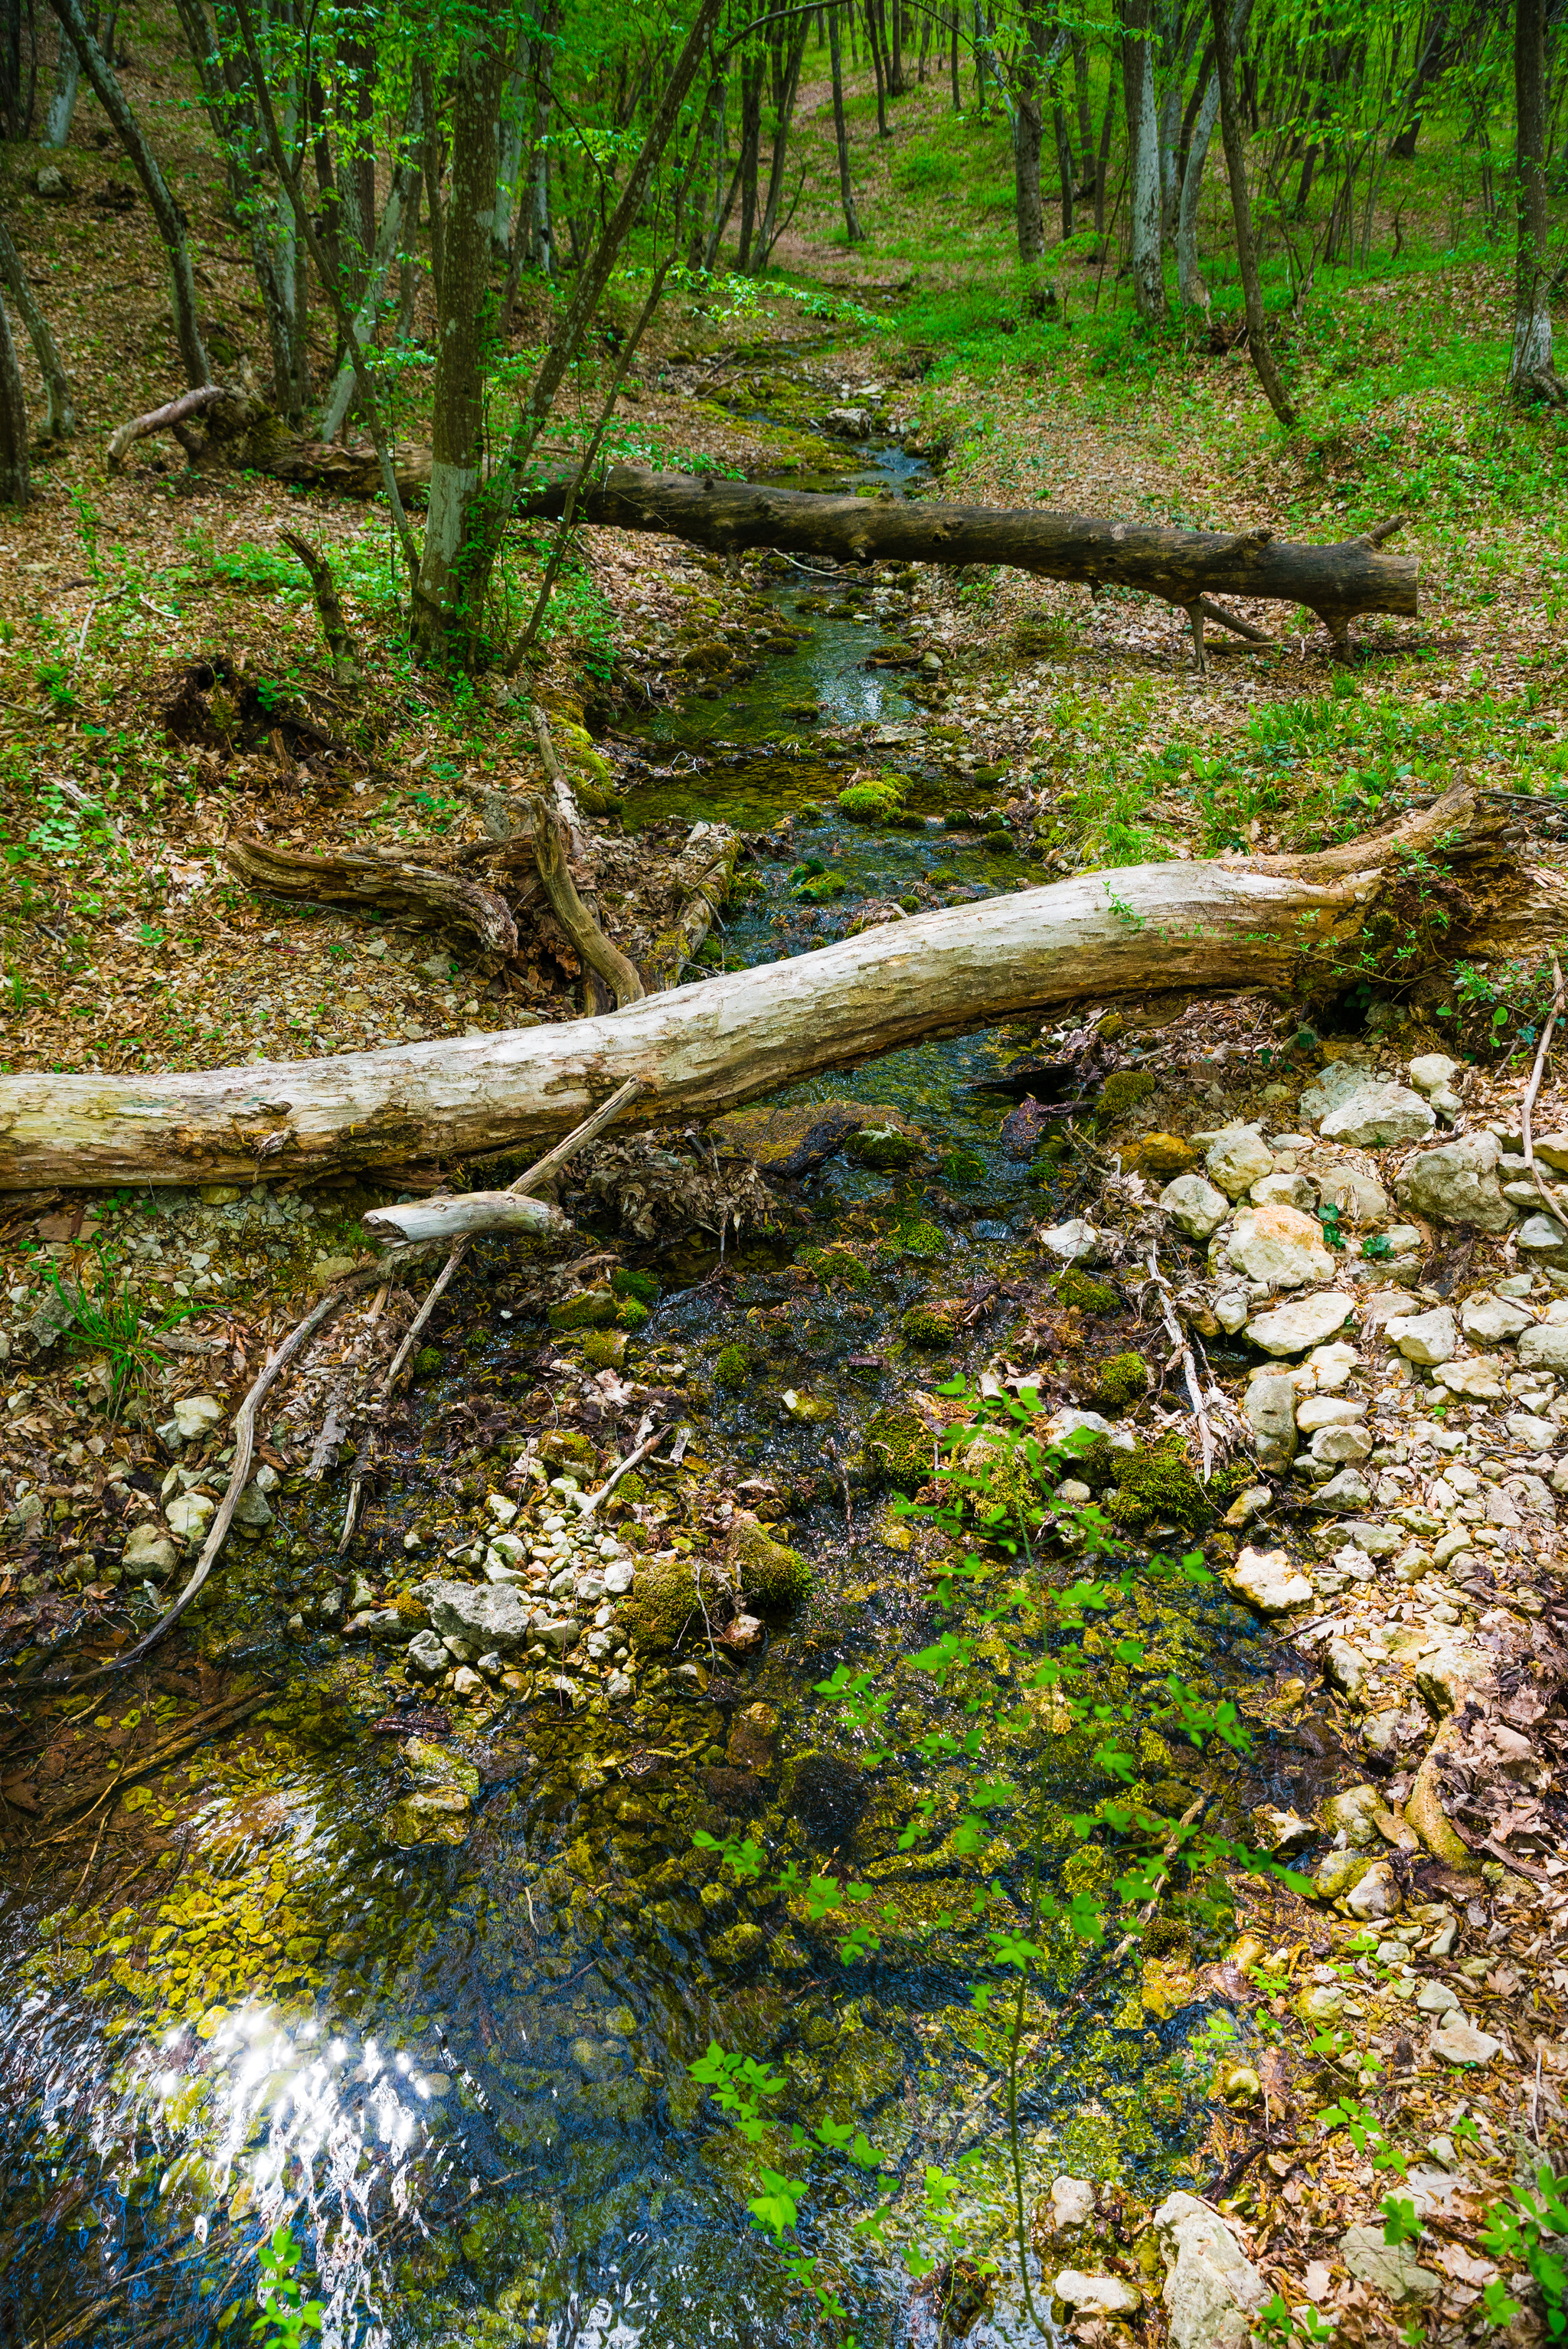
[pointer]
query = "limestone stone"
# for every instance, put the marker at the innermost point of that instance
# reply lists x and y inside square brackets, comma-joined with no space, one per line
[1541,1434]
[1333,1085]
[1072,2202]
[1280,1245]
[1282,1190]
[1389,2266]
[1316,1410]
[1305,1322]
[1427,1338]
[1374,1894]
[1345,1667]
[1349,1490]
[1458,1183]
[1461,2042]
[1477,1378]
[1340,1444]
[1267,1580]
[1378,1541]
[1546,1347]
[1270,1407]
[1435,1998]
[148,1552]
[1194,1206]
[1237,1158]
[252,1510]
[426,1659]
[197,1416]
[1543,1237]
[1097,2295]
[1433,1072]
[1211,2288]
[1552,1149]
[1332,1365]
[484,1615]
[1074,1242]
[1378,1117]
[1361,1198]
[189,1513]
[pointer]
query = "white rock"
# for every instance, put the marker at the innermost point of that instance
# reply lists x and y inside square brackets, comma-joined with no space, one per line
[1280,1245]
[1268,1581]
[1332,1365]
[1237,1158]
[1231,1309]
[194,1415]
[1270,1407]
[1211,2288]
[1546,1347]
[1067,1422]
[485,1615]
[1317,1410]
[619,1577]
[1433,1072]
[252,1510]
[1378,1117]
[1377,1894]
[502,1509]
[1284,1190]
[1541,1434]
[1476,1379]
[1461,2042]
[148,1552]
[1096,2295]
[1074,1242]
[189,1515]
[1361,1198]
[1459,1183]
[1340,1443]
[1540,1237]
[1494,1319]
[1305,1322]
[1194,1207]
[1428,1338]
[1072,2202]
[1333,1085]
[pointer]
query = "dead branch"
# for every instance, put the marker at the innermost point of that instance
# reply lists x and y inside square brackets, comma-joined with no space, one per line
[346,667]
[415,892]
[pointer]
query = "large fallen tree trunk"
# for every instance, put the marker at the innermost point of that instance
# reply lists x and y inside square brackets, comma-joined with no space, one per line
[1304,925]
[1183,566]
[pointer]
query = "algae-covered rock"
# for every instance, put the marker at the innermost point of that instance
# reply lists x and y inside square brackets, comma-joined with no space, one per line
[837,1268]
[925,1241]
[626,1282]
[767,1571]
[663,1601]
[1120,1096]
[1157,1485]
[732,1368]
[886,1147]
[929,1324]
[1089,1295]
[1163,1155]
[604,1349]
[898,1447]
[872,803]
[795,1138]
[426,1364]
[591,1308]
[566,1447]
[1123,1379]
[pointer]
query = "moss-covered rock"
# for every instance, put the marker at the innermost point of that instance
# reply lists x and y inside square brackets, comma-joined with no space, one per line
[764,1570]
[886,1147]
[962,1166]
[799,1136]
[925,1241]
[624,1282]
[927,1325]
[604,1349]
[1123,1379]
[1120,1096]
[428,1364]
[1157,1485]
[837,1268]
[733,1367]
[591,1308]
[566,1447]
[898,1448]
[662,1602]
[872,802]
[630,1313]
[1163,1154]
[1090,1296]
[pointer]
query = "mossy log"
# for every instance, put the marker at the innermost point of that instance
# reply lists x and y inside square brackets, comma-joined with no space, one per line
[1302,926]
[1185,567]
[395,884]
[706,873]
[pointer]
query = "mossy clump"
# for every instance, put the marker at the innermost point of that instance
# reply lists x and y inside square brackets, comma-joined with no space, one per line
[927,1325]
[898,1448]
[640,1285]
[766,1570]
[885,1147]
[1088,1872]
[1163,1154]
[877,803]
[921,1239]
[1122,1380]
[998,840]
[591,1308]
[733,1367]
[662,1602]
[630,1313]
[631,1489]
[1120,1096]
[427,1364]
[567,1447]
[837,1268]
[1158,1487]
[962,1166]
[604,1349]
[1090,1296]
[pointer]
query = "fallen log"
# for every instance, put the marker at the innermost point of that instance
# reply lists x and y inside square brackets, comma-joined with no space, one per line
[705,871]
[415,892]
[1306,925]
[237,428]
[447,1220]
[1184,567]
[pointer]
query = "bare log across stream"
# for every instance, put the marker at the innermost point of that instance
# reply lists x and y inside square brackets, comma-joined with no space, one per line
[1185,567]
[1305,923]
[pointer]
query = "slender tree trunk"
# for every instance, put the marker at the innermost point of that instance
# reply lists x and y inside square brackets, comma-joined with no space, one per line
[1065,172]
[1241,210]
[1194,294]
[982,46]
[1028,214]
[957,89]
[15,481]
[1143,144]
[543,233]
[510,142]
[853,233]
[874,45]
[925,20]
[60,420]
[895,81]
[165,211]
[785,110]
[388,240]
[408,264]
[1085,120]
[1102,157]
[1434,40]
[1531,368]
[63,104]
[751,73]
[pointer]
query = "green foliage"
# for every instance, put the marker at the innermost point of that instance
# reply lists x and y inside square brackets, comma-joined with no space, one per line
[107,1318]
[286,2315]
[1529,2232]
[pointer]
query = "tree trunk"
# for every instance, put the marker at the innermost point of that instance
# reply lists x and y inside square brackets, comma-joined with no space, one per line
[1103,160]
[63,104]
[450,592]
[417,893]
[853,233]
[170,218]
[1143,159]
[1065,175]
[1335,580]
[1289,924]
[543,233]
[1029,214]
[1531,369]
[751,69]
[1085,120]
[389,238]
[15,486]
[1190,279]
[1241,209]
[60,420]
[785,110]
[875,48]
[957,87]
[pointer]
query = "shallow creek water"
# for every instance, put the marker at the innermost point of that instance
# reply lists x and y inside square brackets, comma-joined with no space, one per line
[461,2071]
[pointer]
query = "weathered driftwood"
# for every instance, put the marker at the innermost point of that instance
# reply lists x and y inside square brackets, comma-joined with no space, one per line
[706,870]
[1295,924]
[228,424]
[560,834]
[452,1219]
[415,892]
[1183,566]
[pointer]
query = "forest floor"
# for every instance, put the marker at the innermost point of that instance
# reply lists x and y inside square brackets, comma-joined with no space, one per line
[162,686]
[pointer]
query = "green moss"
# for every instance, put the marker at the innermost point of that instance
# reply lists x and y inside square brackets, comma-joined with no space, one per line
[962,1166]
[732,1368]
[1089,1870]
[661,1602]
[428,1364]
[886,1147]
[630,1313]
[1157,1485]
[591,1308]
[1120,1096]
[767,1571]
[920,1239]
[1123,1379]
[604,1349]
[877,803]
[631,1487]
[837,1268]
[564,1447]
[640,1285]
[998,840]
[898,1448]
[926,1325]
[1090,1296]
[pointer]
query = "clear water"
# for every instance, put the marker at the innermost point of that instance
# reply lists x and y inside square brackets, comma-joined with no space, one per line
[461,2073]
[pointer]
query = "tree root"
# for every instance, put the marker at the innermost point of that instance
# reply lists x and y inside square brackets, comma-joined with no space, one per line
[440,900]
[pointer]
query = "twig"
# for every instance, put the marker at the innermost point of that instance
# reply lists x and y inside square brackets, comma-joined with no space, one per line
[1189,1367]
[1534,1088]
[622,1468]
[533,1178]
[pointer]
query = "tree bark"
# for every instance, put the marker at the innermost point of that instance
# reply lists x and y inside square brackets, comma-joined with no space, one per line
[60,418]
[1026,122]
[787,83]
[63,104]
[389,237]
[170,220]
[1194,294]
[15,482]
[414,892]
[1294,923]
[1143,159]
[706,869]
[1258,345]
[853,233]
[1335,580]
[1531,369]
